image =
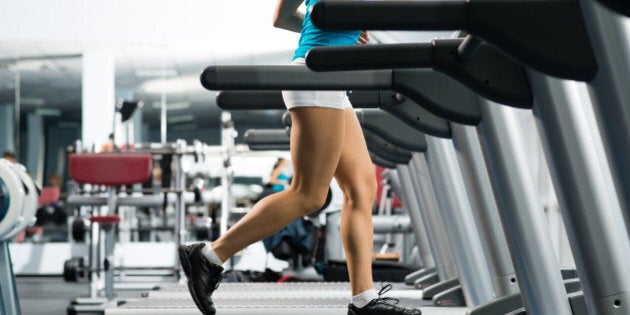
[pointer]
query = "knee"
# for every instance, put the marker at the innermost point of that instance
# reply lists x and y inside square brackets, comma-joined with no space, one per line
[362,193]
[311,202]
[371,187]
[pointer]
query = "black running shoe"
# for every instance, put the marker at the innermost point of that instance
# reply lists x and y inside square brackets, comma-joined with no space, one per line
[203,276]
[382,306]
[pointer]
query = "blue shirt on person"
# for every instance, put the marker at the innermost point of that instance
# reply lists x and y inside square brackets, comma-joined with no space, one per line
[311,36]
[280,187]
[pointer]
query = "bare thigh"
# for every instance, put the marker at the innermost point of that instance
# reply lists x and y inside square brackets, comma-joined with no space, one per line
[317,139]
[355,171]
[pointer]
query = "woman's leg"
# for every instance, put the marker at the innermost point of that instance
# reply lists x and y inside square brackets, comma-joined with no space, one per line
[355,175]
[317,136]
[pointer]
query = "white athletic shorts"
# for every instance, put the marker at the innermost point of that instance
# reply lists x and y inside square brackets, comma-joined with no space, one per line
[330,99]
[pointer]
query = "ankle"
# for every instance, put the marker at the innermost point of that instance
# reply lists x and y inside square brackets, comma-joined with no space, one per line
[364,298]
[210,254]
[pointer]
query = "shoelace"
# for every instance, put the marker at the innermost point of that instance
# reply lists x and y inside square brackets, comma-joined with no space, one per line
[385,300]
[218,280]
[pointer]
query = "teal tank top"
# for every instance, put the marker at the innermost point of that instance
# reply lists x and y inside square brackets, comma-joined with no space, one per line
[312,36]
[280,187]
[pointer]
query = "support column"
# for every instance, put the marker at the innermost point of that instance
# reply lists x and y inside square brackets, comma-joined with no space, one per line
[425,195]
[138,127]
[34,159]
[584,186]
[609,33]
[146,133]
[521,211]
[421,229]
[471,264]
[98,99]
[485,210]
[7,139]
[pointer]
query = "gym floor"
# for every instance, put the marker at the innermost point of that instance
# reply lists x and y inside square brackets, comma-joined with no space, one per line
[51,295]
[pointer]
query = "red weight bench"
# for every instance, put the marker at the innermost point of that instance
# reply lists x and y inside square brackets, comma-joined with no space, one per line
[112,170]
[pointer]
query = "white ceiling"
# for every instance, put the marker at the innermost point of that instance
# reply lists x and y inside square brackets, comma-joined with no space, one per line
[148,38]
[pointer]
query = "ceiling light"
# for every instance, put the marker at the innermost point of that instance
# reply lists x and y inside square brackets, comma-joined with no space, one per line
[33,65]
[156,73]
[172,106]
[173,85]
[32,101]
[48,112]
[184,127]
[180,119]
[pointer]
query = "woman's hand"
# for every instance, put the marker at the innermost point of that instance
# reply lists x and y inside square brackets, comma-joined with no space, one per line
[364,38]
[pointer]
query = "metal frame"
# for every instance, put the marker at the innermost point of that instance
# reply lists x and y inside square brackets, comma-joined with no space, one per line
[424,238]
[9,301]
[590,208]
[522,214]
[609,90]
[446,177]
[427,199]
[485,210]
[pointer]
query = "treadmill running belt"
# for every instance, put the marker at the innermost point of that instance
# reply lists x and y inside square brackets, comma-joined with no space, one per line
[259,307]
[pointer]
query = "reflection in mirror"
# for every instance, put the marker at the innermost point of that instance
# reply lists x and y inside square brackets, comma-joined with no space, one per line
[40,116]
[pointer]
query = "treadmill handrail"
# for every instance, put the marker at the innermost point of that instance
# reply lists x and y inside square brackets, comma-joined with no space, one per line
[386,149]
[423,86]
[267,136]
[390,129]
[380,161]
[291,78]
[396,104]
[549,36]
[487,71]
[250,100]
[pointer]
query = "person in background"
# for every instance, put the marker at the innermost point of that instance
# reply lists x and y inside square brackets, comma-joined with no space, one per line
[9,156]
[54,180]
[279,180]
[326,142]
[110,146]
[296,233]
